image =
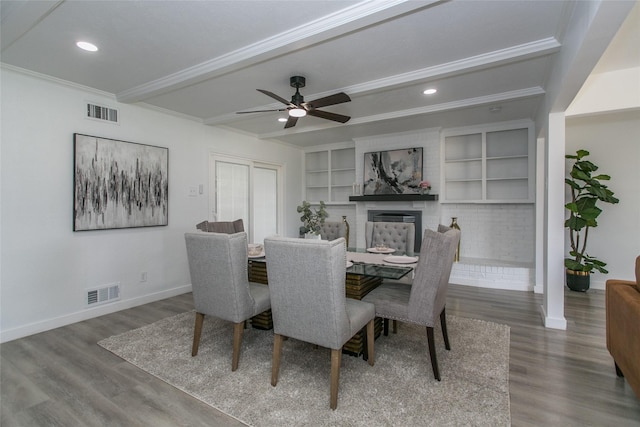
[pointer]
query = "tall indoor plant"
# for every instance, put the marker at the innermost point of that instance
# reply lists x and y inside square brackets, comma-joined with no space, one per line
[312,220]
[587,191]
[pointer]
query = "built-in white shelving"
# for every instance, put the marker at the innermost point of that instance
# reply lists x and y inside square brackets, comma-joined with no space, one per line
[489,164]
[330,174]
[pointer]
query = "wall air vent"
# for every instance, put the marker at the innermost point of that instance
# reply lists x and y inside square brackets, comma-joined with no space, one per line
[100,112]
[103,295]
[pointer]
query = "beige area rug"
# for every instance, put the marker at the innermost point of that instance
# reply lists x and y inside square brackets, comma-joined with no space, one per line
[398,391]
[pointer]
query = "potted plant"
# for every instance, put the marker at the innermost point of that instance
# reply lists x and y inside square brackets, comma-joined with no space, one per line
[586,191]
[312,220]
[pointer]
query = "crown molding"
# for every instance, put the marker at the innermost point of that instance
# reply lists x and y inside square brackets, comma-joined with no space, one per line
[58,81]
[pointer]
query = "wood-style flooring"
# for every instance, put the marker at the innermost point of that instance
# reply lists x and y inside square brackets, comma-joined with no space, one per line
[557,378]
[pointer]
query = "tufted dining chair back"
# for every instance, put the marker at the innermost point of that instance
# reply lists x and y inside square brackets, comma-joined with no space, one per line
[332,230]
[395,235]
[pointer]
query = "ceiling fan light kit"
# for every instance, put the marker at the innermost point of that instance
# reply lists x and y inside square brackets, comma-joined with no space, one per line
[297,112]
[297,108]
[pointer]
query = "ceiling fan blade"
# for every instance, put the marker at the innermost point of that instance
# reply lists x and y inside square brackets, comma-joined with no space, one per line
[276,97]
[259,111]
[291,122]
[337,98]
[329,116]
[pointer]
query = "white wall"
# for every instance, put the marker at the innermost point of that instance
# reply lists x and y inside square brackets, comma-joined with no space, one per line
[611,91]
[46,268]
[613,144]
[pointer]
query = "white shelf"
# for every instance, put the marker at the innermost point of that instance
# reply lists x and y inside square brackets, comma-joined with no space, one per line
[476,159]
[505,157]
[489,164]
[330,174]
[465,180]
[508,178]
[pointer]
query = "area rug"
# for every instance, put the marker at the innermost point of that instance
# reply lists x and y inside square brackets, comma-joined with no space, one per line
[398,391]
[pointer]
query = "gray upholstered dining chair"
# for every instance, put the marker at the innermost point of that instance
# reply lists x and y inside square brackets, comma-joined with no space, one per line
[218,267]
[395,235]
[228,227]
[308,302]
[332,230]
[424,301]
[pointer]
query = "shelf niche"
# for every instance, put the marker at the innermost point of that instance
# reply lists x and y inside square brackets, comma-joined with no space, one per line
[394,198]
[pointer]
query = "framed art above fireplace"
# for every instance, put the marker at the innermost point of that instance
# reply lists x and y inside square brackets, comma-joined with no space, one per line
[393,172]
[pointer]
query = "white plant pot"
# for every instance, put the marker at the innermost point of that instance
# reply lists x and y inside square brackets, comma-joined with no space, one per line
[314,236]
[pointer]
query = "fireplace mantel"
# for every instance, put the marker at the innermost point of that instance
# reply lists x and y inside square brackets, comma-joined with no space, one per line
[393,198]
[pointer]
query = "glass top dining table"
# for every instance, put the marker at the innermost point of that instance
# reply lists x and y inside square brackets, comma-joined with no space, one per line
[365,263]
[362,262]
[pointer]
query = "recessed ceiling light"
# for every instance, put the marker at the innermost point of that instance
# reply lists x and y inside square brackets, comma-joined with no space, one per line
[87,46]
[282,119]
[430,91]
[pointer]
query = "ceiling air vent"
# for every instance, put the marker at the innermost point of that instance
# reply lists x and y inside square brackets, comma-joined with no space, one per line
[103,295]
[100,112]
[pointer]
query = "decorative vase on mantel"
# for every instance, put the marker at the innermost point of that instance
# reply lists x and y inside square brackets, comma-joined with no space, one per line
[344,219]
[454,224]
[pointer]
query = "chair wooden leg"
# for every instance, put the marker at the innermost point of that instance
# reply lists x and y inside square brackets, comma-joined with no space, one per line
[445,334]
[370,338]
[395,326]
[432,353]
[238,329]
[197,331]
[385,327]
[275,360]
[336,359]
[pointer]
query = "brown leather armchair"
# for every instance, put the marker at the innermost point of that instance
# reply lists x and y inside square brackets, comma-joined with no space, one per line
[623,327]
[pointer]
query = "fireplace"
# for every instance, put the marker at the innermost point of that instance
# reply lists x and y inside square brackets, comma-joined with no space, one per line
[400,216]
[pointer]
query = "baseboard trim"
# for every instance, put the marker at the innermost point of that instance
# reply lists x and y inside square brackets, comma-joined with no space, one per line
[79,316]
[491,284]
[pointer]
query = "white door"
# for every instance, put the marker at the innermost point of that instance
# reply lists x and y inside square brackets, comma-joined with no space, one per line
[248,190]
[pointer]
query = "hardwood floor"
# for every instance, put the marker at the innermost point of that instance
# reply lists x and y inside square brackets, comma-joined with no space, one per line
[557,378]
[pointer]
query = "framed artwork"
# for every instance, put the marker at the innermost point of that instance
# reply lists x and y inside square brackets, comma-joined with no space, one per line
[393,172]
[119,184]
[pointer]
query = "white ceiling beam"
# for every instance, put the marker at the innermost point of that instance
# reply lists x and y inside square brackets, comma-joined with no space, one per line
[334,25]
[508,55]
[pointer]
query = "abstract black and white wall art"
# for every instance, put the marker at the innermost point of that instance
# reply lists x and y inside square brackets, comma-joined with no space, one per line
[393,172]
[119,184]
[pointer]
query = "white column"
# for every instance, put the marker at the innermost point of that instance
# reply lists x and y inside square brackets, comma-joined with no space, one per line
[540,214]
[552,308]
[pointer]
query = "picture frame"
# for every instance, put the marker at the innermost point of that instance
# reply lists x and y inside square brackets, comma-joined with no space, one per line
[119,184]
[393,171]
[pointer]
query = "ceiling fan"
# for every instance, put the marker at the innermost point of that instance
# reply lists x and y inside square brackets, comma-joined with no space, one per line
[298,108]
